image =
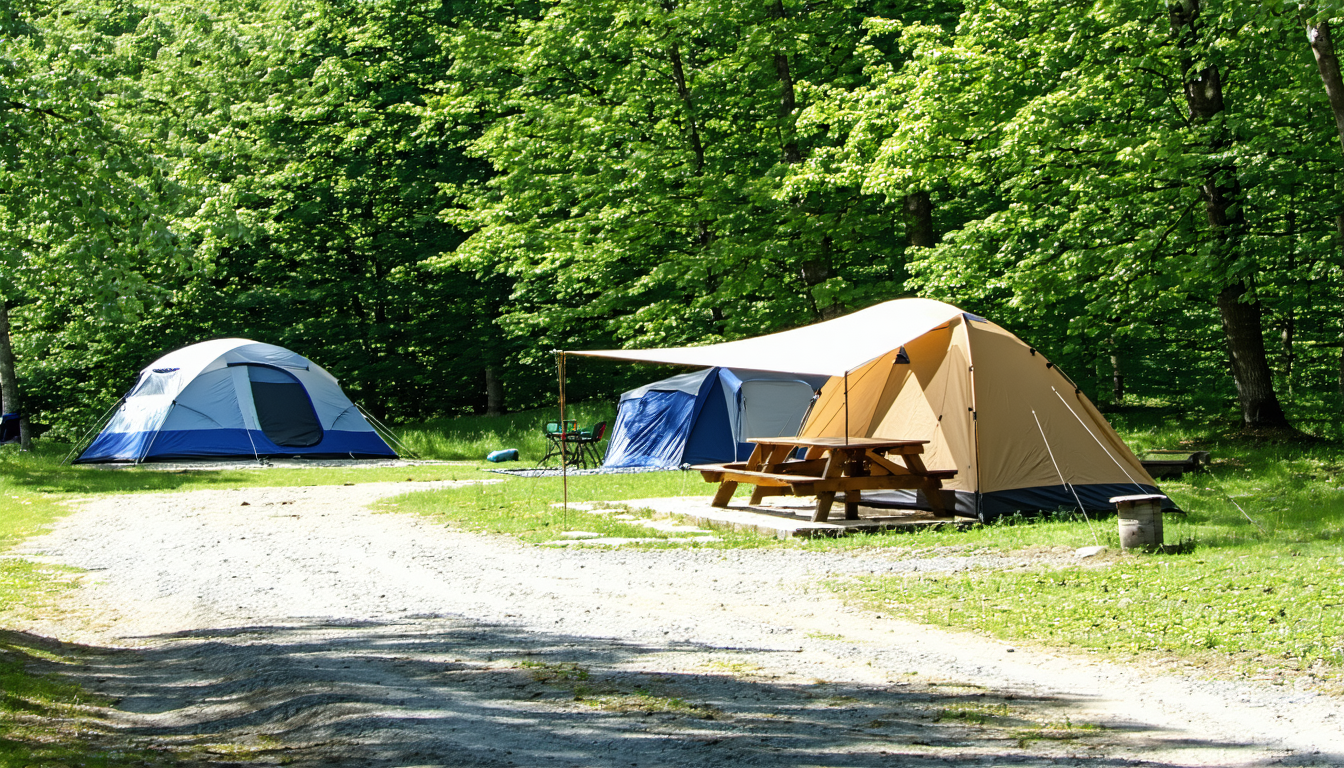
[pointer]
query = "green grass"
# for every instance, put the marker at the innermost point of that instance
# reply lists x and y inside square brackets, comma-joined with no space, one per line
[1260,593]
[472,437]
[47,721]
[529,508]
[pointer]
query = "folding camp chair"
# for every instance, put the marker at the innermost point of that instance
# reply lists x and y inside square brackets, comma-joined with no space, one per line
[587,440]
[556,438]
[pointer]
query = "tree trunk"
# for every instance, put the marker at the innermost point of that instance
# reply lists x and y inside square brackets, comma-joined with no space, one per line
[684,93]
[1220,188]
[1323,48]
[1246,344]
[9,381]
[1289,354]
[494,392]
[919,221]
[1117,380]
[788,136]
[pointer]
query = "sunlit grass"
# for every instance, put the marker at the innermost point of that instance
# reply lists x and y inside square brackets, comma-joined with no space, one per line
[473,437]
[48,721]
[532,508]
[1258,593]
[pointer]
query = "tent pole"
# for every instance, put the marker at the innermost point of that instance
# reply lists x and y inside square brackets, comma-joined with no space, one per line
[564,459]
[846,407]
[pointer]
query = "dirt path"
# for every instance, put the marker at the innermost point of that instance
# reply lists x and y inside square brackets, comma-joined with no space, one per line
[294,626]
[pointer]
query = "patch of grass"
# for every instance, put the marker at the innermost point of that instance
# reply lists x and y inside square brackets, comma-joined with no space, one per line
[645,703]
[1257,595]
[735,667]
[527,507]
[546,672]
[1224,609]
[47,721]
[472,437]
[1064,730]
[979,713]
[29,589]
[41,472]
[610,696]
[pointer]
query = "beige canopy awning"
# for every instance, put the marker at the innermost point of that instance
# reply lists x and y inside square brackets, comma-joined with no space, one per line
[830,348]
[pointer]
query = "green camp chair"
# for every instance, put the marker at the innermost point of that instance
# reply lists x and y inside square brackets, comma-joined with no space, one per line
[587,440]
[556,440]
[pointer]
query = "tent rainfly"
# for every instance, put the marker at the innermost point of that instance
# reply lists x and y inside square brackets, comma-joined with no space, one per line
[1020,434]
[704,416]
[235,398]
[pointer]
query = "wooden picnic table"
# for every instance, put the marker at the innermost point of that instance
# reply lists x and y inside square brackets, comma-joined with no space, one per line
[830,466]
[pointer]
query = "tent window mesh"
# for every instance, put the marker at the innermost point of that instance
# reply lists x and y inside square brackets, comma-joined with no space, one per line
[284,410]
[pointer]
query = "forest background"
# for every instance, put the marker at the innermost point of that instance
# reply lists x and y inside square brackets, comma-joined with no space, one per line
[428,198]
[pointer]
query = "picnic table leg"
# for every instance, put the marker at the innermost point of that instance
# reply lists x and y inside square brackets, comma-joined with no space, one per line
[824,500]
[757,495]
[852,499]
[726,490]
[933,487]
[933,491]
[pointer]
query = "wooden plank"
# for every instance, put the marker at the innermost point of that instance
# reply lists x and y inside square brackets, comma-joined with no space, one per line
[767,478]
[798,467]
[763,491]
[916,465]
[778,454]
[886,464]
[823,510]
[754,460]
[933,491]
[726,490]
[852,499]
[874,483]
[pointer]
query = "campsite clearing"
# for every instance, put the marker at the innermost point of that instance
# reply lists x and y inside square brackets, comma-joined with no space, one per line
[304,628]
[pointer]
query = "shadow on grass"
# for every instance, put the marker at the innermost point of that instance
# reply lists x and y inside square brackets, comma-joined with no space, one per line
[443,691]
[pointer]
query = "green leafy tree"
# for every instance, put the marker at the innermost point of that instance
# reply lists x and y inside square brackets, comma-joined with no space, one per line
[81,227]
[654,180]
[1111,177]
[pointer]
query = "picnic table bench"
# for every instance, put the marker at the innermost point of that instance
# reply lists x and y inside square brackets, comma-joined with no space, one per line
[829,466]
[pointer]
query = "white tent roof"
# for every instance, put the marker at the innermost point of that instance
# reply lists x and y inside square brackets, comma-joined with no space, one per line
[829,348]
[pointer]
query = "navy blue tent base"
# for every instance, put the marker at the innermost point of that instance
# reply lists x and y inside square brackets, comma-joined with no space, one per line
[990,506]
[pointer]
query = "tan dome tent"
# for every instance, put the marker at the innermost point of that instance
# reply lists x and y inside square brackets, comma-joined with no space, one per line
[1021,436]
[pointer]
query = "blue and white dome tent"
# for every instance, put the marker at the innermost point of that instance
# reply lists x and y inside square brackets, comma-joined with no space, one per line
[235,398]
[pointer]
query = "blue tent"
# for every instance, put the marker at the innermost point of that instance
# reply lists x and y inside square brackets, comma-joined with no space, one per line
[235,398]
[707,416]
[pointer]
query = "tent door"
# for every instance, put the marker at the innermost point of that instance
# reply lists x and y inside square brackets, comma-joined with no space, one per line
[284,410]
[772,408]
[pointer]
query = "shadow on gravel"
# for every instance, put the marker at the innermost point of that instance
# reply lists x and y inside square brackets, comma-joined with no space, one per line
[443,691]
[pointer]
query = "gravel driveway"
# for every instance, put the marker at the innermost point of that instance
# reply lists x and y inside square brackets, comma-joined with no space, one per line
[294,626]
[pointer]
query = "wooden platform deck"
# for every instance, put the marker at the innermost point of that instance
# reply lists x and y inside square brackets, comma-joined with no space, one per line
[788,517]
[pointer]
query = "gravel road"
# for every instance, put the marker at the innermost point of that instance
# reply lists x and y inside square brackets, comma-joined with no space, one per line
[295,626]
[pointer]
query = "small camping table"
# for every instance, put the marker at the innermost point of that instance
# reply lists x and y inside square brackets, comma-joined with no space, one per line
[831,465]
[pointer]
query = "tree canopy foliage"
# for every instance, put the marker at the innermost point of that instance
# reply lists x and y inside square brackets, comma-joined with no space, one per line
[429,197]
